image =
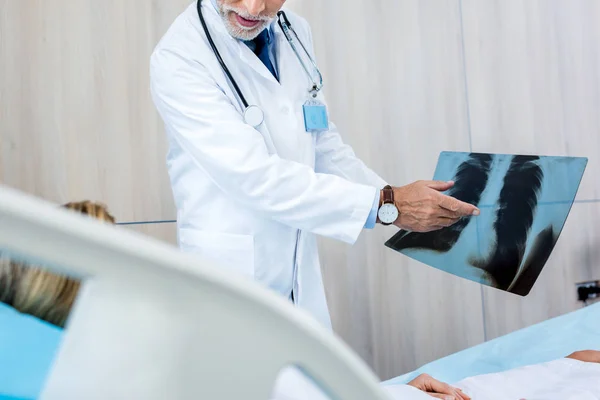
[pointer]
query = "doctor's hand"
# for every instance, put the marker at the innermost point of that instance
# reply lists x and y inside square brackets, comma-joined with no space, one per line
[423,208]
[437,389]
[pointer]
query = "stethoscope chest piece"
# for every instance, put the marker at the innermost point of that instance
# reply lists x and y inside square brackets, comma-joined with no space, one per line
[254,116]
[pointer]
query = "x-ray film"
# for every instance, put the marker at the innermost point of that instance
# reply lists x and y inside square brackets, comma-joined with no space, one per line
[524,202]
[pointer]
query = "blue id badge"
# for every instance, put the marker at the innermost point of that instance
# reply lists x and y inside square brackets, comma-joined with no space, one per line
[315,116]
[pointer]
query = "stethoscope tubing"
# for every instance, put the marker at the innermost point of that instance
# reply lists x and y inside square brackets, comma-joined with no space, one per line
[253,114]
[218,55]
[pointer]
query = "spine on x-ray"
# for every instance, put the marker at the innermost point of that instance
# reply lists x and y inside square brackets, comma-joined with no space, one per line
[517,205]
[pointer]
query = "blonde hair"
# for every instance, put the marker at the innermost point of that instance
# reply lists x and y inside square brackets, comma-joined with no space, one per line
[36,291]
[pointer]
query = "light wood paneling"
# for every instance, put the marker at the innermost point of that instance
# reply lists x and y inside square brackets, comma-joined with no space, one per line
[395,83]
[533,79]
[534,87]
[166,232]
[76,117]
[76,122]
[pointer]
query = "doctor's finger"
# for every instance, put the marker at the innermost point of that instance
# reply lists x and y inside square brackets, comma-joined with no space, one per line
[459,208]
[445,213]
[445,222]
[441,186]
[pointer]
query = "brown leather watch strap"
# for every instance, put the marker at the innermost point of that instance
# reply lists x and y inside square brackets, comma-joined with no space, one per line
[388,195]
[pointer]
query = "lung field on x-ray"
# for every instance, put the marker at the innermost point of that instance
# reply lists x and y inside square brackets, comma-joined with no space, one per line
[524,202]
[517,204]
[469,182]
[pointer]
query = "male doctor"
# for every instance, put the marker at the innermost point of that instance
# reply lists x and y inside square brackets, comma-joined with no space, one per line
[254,198]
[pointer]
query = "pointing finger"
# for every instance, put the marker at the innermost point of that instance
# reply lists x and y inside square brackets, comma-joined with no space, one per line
[446,213]
[440,185]
[458,207]
[445,222]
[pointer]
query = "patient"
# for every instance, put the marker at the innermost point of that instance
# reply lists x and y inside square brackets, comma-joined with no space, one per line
[576,376]
[35,291]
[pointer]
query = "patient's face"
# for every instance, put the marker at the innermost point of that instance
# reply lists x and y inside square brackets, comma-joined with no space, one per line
[245,19]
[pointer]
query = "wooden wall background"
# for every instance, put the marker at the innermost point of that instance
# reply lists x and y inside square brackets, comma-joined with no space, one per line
[406,79]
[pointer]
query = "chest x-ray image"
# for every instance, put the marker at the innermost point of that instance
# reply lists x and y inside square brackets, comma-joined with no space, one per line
[524,202]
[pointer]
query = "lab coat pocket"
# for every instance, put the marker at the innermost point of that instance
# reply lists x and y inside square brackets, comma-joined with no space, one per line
[232,252]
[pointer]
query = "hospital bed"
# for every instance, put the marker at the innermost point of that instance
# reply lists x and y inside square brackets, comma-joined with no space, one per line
[540,343]
[212,327]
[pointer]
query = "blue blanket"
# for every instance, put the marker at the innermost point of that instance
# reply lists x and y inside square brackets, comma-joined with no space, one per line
[27,349]
[543,342]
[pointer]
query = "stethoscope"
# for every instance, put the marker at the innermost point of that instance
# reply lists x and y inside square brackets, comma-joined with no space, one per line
[253,114]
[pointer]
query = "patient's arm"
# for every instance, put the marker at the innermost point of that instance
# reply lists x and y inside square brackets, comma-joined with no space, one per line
[572,377]
[586,356]
[576,376]
[292,384]
[437,389]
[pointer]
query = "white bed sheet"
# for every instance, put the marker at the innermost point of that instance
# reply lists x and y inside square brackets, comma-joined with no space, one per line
[563,379]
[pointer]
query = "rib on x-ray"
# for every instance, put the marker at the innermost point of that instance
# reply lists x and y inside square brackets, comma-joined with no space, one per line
[524,202]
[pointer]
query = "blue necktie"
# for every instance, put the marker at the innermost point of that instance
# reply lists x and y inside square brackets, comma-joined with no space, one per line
[263,45]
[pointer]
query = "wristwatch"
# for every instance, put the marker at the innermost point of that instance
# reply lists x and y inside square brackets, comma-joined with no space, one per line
[388,212]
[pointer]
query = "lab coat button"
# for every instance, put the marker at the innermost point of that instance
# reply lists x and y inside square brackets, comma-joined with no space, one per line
[285,110]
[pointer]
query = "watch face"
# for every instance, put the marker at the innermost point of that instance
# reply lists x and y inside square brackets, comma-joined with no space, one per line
[388,213]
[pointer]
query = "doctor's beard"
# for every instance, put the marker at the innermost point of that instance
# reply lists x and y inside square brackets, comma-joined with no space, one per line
[228,14]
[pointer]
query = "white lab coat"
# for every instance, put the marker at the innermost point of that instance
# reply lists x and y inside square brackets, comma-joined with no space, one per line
[254,199]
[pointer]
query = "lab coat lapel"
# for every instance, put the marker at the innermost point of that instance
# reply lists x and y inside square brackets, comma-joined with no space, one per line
[237,57]
[291,75]
[247,56]
[281,100]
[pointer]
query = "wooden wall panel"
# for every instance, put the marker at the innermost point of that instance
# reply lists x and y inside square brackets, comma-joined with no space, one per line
[76,117]
[166,232]
[405,79]
[395,83]
[533,81]
[534,87]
